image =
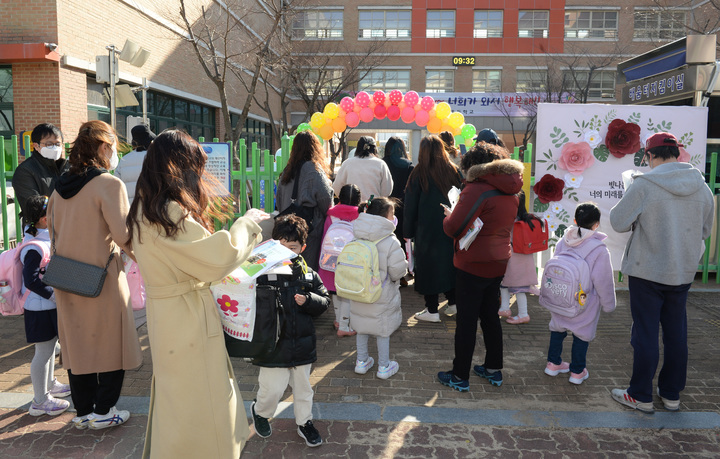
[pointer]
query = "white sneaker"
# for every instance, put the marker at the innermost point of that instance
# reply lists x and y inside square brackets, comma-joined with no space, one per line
[388,370]
[670,405]
[52,406]
[362,367]
[426,316]
[59,390]
[80,422]
[114,417]
[451,310]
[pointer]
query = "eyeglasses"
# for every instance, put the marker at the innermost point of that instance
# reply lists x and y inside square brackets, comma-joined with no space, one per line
[51,144]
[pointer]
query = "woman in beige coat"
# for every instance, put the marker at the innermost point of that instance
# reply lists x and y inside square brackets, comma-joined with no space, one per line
[196,410]
[87,215]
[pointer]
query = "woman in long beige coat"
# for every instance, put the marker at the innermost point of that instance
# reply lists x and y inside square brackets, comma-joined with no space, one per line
[196,410]
[87,215]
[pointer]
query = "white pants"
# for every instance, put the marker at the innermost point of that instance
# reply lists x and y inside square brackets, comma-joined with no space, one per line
[342,312]
[273,381]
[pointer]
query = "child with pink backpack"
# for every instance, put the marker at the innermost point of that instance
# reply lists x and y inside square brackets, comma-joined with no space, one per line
[577,283]
[41,314]
[338,232]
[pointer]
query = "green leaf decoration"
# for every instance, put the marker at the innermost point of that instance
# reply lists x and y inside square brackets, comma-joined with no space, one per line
[695,160]
[595,123]
[601,152]
[687,139]
[651,125]
[560,231]
[558,137]
[570,193]
[639,157]
[610,116]
[539,206]
[664,126]
[634,118]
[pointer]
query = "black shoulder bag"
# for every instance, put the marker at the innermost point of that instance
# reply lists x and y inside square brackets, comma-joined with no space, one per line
[304,212]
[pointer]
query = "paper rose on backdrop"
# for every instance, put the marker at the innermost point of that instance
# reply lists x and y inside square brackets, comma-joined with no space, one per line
[593,138]
[573,181]
[576,157]
[549,189]
[622,138]
[684,155]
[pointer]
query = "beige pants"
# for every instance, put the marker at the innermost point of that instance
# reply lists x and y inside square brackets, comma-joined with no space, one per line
[273,381]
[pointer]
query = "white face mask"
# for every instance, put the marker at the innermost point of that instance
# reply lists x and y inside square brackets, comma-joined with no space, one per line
[53,152]
[114,159]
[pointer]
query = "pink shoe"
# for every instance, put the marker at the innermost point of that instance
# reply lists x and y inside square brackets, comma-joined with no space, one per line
[342,333]
[336,325]
[518,320]
[576,378]
[505,313]
[553,370]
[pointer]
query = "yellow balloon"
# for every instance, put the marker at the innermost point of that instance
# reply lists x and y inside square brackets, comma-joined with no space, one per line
[442,110]
[456,130]
[456,120]
[331,110]
[317,120]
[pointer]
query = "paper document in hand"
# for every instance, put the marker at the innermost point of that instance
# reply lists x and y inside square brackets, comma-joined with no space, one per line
[410,256]
[264,257]
[453,196]
[470,236]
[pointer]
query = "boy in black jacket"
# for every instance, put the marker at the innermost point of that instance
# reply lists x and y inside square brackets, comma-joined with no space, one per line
[302,296]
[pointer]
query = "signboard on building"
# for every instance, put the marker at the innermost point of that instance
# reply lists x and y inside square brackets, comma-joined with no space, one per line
[218,168]
[504,104]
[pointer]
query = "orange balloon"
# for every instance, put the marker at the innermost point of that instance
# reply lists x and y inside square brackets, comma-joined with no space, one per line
[402,106]
[445,126]
[456,131]
[326,131]
[434,126]
[342,113]
[339,125]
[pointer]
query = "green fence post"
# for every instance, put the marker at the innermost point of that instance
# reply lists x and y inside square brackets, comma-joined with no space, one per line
[14,163]
[242,153]
[268,166]
[516,153]
[255,175]
[201,139]
[3,190]
[284,153]
[528,153]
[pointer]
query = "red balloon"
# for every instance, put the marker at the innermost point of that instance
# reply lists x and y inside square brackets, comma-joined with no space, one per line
[352,119]
[395,96]
[422,118]
[380,111]
[393,113]
[366,115]
[408,114]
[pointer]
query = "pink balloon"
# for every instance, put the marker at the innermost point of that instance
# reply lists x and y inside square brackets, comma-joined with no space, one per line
[421,118]
[372,105]
[408,114]
[395,97]
[362,99]
[380,111]
[352,119]
[366,115]
[411,98]
[379,97]
[347,104]
[417,107]
[393,113]
[357,108]
[402,106]
[427,103]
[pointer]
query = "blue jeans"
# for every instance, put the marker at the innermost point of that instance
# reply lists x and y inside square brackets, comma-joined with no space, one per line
[653,305]
[578,353]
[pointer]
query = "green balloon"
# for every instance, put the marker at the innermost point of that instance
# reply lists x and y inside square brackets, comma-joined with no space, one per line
[304,127]
[459,139]
[468,131]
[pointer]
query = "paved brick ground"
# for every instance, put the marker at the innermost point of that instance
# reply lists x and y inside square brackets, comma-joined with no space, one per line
[422,349]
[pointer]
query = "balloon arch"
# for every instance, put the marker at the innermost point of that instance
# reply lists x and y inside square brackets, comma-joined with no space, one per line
[409,108]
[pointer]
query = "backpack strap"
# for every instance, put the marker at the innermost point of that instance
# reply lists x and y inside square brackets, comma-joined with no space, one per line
[486,195]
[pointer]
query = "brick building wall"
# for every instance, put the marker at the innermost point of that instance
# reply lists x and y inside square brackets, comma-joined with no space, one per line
[36,87]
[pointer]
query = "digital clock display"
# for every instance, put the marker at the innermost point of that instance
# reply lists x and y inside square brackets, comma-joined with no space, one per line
[463,60]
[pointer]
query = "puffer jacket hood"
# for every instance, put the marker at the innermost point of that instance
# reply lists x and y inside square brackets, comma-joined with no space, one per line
[573,239]
[343,212]
[680,179]
[372,227]
[504,175]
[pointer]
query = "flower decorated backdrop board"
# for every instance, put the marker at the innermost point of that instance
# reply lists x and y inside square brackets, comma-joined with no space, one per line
[582,151]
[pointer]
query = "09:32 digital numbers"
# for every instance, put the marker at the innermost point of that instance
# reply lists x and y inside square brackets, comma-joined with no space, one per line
[463,60]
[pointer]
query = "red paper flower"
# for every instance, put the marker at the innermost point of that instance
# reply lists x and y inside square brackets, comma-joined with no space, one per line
[227,304]
[549,189]
[622,138]
[576,157]
[684,155]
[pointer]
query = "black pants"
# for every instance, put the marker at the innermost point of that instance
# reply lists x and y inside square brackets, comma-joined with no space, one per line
[95,392]
[433,301]
[477,297]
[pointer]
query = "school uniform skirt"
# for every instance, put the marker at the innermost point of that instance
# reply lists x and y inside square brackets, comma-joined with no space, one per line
[41,326]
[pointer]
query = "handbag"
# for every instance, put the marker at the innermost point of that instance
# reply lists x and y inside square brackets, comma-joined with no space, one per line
[526,240]
[304,212]
[74,276]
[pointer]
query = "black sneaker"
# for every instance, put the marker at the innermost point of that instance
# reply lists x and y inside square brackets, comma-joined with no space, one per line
[310,434]
[261,424]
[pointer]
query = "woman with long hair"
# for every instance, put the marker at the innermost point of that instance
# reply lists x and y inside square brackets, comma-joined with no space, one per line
[426,193]
[195,406]
[307,164]
[87,223]
[450,148]
[365,170]
[400,168]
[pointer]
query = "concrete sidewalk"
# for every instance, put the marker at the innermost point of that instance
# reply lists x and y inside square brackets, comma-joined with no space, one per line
[411,414]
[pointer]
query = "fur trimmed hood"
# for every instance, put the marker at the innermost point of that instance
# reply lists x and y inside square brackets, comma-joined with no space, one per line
[498,167]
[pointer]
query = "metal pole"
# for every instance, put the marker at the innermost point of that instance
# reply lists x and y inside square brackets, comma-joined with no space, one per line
[144,101]
[113,69]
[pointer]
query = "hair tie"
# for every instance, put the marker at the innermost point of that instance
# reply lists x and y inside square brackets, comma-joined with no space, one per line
[366,146]
[370,198]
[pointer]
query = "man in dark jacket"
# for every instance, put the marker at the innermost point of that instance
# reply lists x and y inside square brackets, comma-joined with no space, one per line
[481,267]
[303,297]
[37,174]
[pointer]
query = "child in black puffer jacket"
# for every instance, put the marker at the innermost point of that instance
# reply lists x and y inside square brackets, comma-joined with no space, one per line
[303,297]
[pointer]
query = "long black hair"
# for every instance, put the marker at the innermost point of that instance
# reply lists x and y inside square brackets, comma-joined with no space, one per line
[524,215]
[35,209]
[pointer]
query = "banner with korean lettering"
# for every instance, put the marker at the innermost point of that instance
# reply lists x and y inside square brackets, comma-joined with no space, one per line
[506,104]
[583,149]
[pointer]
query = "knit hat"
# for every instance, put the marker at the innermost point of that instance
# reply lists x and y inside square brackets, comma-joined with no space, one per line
[662,139]
[142,136]
[487,135]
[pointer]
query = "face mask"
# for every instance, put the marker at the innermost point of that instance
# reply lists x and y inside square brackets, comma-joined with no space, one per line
[53,152]
[395,221]
[114,159]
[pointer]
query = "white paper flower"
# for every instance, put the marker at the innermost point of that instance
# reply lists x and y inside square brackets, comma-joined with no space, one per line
[556,207]
[552,226]
[593,138]
[548,215]
[573,181]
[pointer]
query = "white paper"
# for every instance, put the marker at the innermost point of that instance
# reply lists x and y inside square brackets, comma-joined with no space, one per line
[453,197]
[629,176]
[265,256]
[410,256]
[471,234]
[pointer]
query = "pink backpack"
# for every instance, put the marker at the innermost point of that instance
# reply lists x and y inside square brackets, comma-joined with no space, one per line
[12,301]
[135,283]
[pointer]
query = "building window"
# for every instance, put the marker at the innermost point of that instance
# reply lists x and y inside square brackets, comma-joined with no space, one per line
[487,80]
[164,111]
[533,24]
[531,81]
[254,131]
[384,24]
[591,24]
[440,24]
[324,81]
[7,125]
[601,86]
[313,24]
[488,24]
[439,81]
[386,80]
[659,25]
